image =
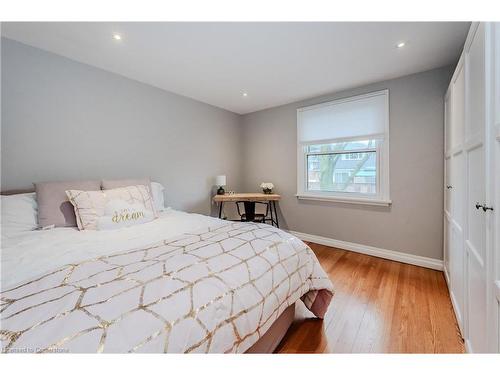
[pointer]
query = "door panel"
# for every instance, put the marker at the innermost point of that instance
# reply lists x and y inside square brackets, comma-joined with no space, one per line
[447,244]
[477,333]
[477,194]
[457,273]
[458,183]
[458,108]
[475,87]
[447,124]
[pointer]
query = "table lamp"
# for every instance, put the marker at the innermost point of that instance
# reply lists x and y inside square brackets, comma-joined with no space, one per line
[220,181]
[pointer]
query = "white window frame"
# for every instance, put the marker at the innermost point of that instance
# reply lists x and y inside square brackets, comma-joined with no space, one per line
[382,198]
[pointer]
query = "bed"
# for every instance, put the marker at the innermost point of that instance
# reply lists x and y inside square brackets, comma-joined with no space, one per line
[183,283]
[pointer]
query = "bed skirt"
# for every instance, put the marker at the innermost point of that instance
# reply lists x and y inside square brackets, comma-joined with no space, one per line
[272,338]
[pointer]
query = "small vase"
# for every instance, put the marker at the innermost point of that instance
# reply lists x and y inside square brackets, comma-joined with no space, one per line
[267,191]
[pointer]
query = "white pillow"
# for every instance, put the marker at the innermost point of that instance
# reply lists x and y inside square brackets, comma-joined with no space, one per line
[158,197]
[19,213]
[113,208]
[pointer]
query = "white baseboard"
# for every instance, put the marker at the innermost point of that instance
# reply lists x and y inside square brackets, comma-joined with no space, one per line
[397,256]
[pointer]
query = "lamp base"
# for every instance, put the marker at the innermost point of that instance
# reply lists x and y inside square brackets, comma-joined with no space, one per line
[220,191]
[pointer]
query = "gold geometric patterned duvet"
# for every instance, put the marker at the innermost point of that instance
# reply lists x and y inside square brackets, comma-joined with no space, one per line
[217,289]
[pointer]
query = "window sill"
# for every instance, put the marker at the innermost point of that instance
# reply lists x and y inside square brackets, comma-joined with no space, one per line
[353,200]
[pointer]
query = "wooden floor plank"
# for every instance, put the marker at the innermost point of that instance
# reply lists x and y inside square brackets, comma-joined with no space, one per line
[380,306]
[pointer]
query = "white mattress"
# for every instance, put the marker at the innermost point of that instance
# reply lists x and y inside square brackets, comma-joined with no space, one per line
[34,253]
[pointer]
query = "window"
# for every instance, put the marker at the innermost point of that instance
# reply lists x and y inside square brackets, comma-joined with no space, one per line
[343,150]
[332,169]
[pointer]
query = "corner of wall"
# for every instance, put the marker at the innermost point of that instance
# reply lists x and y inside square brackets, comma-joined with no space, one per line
[242,151]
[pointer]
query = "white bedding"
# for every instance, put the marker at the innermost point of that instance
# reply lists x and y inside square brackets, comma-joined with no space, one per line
[184,283]
[34,253]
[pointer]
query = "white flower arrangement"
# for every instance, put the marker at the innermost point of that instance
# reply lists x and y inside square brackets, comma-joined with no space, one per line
[267,187]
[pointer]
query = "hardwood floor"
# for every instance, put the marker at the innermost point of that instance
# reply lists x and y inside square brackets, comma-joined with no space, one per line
[379,306]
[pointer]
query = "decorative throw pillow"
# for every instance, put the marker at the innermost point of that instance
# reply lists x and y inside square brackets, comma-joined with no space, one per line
[158,197]
[156,189]
[53,205]
[112,209]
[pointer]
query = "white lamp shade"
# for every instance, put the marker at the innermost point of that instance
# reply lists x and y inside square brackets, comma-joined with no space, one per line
[220,181]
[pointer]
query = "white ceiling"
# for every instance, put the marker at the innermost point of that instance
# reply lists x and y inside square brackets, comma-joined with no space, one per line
[275,63]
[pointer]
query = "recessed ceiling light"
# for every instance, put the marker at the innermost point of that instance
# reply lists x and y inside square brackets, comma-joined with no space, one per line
[401,44]
[117,37]
[245,94]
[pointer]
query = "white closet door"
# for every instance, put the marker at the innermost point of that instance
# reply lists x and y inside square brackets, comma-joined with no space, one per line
[494,186]
[457,250]
[475,233]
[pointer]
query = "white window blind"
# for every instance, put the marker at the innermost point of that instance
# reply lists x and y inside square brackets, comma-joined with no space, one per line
[343,150]
[358,117]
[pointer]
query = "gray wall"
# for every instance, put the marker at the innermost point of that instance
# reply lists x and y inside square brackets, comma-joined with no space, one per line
[414,222]
[65,120]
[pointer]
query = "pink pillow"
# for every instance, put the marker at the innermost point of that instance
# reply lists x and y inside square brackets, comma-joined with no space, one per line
[113,184]
[54,207]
